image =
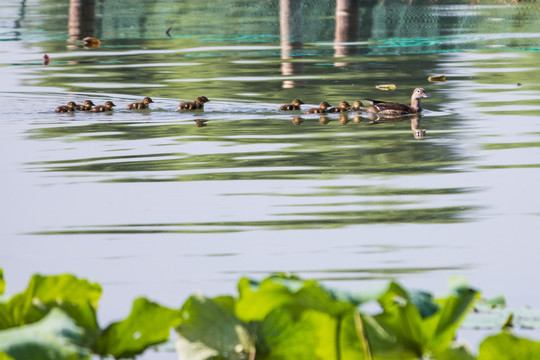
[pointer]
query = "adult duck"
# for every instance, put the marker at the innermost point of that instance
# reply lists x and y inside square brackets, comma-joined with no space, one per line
[87,106]
[197,104]
[291,107]
[140,105]
[322,109]
[391,108]
[103,108]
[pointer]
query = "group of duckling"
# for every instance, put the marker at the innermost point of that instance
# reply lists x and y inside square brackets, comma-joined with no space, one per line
[197,104]
[377,107]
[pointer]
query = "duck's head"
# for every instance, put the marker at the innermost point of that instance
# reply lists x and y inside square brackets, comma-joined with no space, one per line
[420,93]
[297,102]
[201,99]
[109,104]
[324,105]
[71,105]
[147,100]
[88,103]
[357,104]
[344,105]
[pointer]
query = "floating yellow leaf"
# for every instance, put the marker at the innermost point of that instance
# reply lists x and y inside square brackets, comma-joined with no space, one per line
[439,78]
[386,87]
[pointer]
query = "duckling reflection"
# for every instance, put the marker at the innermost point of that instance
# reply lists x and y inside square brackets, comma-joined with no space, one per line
[324,120]
[297,120]
[200,122]
[344,118]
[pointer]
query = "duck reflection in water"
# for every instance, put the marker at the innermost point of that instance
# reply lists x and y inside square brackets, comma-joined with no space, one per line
[418,133]
[324,120]
[200,122]
[297,120]
[344,118]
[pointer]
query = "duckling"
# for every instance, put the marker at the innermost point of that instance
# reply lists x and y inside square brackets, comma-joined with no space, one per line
[70,107]
[294,106]
[357,106]
[86,107]
[102,108]
[390,108]
[344,106]
[140,105]
[322,109]
[198,104]
[90,42]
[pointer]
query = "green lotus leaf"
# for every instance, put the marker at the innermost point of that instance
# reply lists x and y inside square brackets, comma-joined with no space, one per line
[148,324]
[55,337]
[314,335]
[2,282]
[4,356]
[506,346]
[77,297]
[256,300]
[210,330]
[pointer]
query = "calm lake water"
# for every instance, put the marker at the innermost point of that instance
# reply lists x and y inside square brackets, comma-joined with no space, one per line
[161,204]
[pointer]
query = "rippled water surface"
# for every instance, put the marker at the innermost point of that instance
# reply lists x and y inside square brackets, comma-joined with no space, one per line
[161,203]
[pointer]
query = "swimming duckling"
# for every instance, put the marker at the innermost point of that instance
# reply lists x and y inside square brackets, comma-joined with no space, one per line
[90,42]
[140,105]
[102,108]
[357,106]
[290,107]
[70,107]
[390,108]
[86,107]
[198,104]
[322,109]
[344,106]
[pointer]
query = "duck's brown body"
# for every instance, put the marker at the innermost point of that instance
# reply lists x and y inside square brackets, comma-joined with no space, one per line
[390,108]
[140,105]
[344,106]
[197,104]
[70,107]
[291,107]
[322,109]
[86,107]
[103,108]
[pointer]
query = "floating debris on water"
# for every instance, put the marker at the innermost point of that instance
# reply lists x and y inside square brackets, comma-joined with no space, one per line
[386,87]
[437,78]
